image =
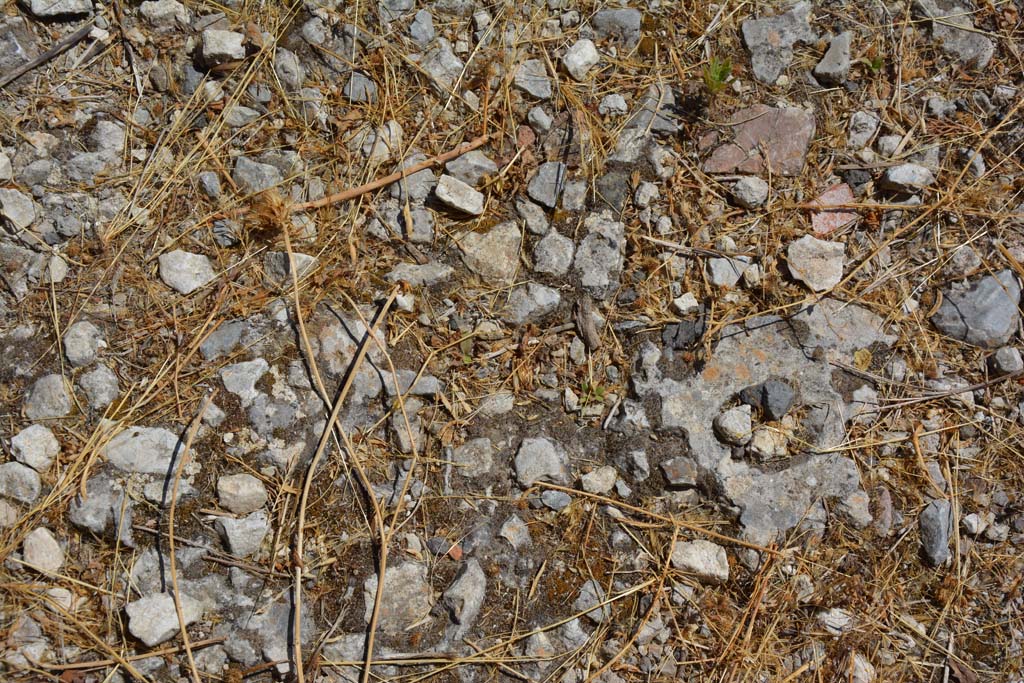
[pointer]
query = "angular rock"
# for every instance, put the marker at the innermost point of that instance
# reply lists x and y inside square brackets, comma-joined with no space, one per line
[936,525]
[422,27]
[277,265]
[47,398]
[81,342]
[417,275]
[599,257]
[17,208]
[986,314]
[816,263]
[704,559]
[726,272]
[101,387]
[19,482]
[241,493]
[220,46]
[830,220]
[553,254]
[532,78]
[589,601]
[240,379]
[154,620]
[442,64]
[360,89]
[623,24]
[546,184]
[530,303]
[406,599]
[244,536]
[600,481]
[579,59]
[289,69]
[770,40]
[35,446]
[148,450]
[253,177]
[1006,361]
[415,186]
[493,255]
[863,126]
[906,178]
[952,27]
[474,458]
[541,459]
[42,551]
[57,9]
[834,66]
[681,471]
[765,139]
[750,192]
[471,167]
[458,195]
[534,216]
[463,600]
[515,531]
[185,272]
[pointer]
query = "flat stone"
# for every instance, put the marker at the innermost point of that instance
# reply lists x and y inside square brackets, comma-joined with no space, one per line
[750,192]
[589,601]
[622,24]
[579,59]
[415,187]
[241,493]
[599,257]
[244,536]
[765,139]
[421,29]
[726,271]
[553,254]
[816,263]
[936,526]
[360,89]
[541,459]
[906,178]
[834,66]
[47,398]
[81,342]
[407,597]
[532,78]
[381,143]
[862,127]
[463,599]
[253,177]
[185,272]
[420,275]
[704,559]
[240,379]
[35,446]
[613,105]
[555,500]
[19,482]
[473,458]
[55,9]
[101,387]
[515,531]
[42,551]
[17,208]
[830,220]
[153,619]
[985,314]
[530,303]
[546,184]
[534,216]
[456,194]
[443,64]
[148,450]
[471,167]
[539,119]
[952,27]
[770,40]
[493,255]
[289,69]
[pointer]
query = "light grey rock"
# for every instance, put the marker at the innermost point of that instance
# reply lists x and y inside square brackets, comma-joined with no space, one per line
[613,105]
[534,216]
[704,559]
[539,119]
[407,597]
[936,525]
[238,116]
[1006,361]
[425,385]
[42,551]
[953,29]
[547,183]
[6,171]
[836,621]
[81,343]
[360,89]
[220,46]
[153,619]
[422,27]
[726,271]
[589,601]
[415,186]
[579,59]
[417,275]
[289,69]
[556,500]
[19,482]
[55,9]
[734,425]
[277,265]
[541,459]
[474,458]
[863,126]
[244,536]
[816,263]
[442,64]
[381,143]
[463,599]
[100,386]
[252,177]
[493,255]
[985,314]
[35,446]
[148,450]
[530,303]
[574,195]
[222,340]
[456,194]
[17,208]
[515,531]
[906,178]
[750,192]
[553,254]
[408,437]
[210,182]
[185,272]
[599,257]
[646,194]
[888,144]
[240,379]
[532,78]
[940,107]
[165,13]
[599,481]
[834,66]
[770,40]
[394,9]
[471,167]
[623,24]
[48,398]
[241,493]
[101,506]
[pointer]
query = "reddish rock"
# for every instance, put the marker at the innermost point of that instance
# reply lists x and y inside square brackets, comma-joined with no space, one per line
[825,222]
[764,138]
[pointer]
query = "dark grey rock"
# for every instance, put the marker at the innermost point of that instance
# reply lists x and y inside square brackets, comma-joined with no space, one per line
[770,40]
[986,314]
[936,525]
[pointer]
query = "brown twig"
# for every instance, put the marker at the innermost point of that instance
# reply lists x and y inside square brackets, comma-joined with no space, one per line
[60,48]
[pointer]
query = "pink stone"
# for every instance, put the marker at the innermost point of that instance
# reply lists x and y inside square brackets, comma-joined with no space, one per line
[825,222]
[764,139]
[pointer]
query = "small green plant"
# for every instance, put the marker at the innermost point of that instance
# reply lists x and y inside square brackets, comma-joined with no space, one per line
[875,63]
[717,74]
[592,393]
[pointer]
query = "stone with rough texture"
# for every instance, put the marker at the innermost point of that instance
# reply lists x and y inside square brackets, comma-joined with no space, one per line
[830,220]
[936,525]
[906,178]
[750,192]
[54,9]
[862,127]
[834,66]
[19,482]
[952,27]
[422,27]
[417,275]
[253,177]
[985,314]
[706,560]
[240,379]
[81,342]
[493,255]
[816,263]
[547,183]
[726,271]
[42,551]
[101,387]
[1006,361]
[530,303]
[471,167]
[17,207]
[35,446]
[599,257]
[622,23]
[185,272]
[148,450]
[541,459]
[458,195]
[579,59]
[532,78]
[600,481]
[589,601]
[463,600]
[220,46]
[765,139]
[474,458]
[734,425]
[165,13]
[153,619]
[241,493]
[360,89]
[244,536]
[48,398]
[553,254]
[407,597]
[770,40]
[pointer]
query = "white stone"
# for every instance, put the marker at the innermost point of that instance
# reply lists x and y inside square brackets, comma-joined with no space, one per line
[581,58]
[165,13]
[600,481]
[42,551]
[59,8]
[458,195]
[750,192]
[906,178]
[222,46]
[35,446]
[184,271]
[816,263]
[6,171]
[241,493]
[240,379]
[734,425]
[704,559]
[154,620]
[81,342]
[148,450]
[686,304]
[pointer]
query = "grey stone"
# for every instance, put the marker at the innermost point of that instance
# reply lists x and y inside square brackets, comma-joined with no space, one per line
[612,105]
[55,9]
[289,69]
[107,138]
[360,89]
[244,536]
[834,66]
[407,597]
[252,177]
[541,459]
[422,27]
[463,599]
[750,192]
[185,272]
[238,116]
[863,126]
[936,525]
[42,551]
[47,398]
[458,195]
[589,601]
[425,385]
[599,257]
[952,27]
[734,425]
[17,46]
[553,254]
[18,208]
[165,13]
[418,275]
[474,458]
[704,559]
[940,107]
[681,471]
[415,186]
[816,263]
[906,178]
[100,506]
[726,271]
[530,303]
[515,531]
[81,342]
[277,265]
[408,437]
[888,144]
[220,46]
[986,314]
[381,143]
[471,167]
[599,481]
[773,396]
[770,40]
[394,9]
[149,450]
[534,216]
[240,379]
[1006,361]
[579,59]
[153,619]
[574,195]
[100,386]
[222,340]
[6,171]
[654,114]
[210,182]
[441,63]
[623,24]
[493,255]
[19,482]
[35,446]
[539,119]
[532,78]
[556,500]
[546,184]
[241,493]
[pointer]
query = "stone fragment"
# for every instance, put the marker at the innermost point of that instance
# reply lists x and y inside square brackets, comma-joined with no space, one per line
[101,387]
[532,78]
[836,621]
[770,40]
[422,27]
[406,599]
[547,183]
[952,27]
[474,458]
[681,472]
[829,220]
[417,275]
[458,195]
[764,139]
[58,9]
[515,531]
[244,536]
[726,271]
[834,66]
[493,255]
[539,119]
[936,525]
[185,272]
[381,143]
[360,89]
[906,178]
[734,425]
[165,13]
[19,482]
[17,208]
[81,342]
[42,551]
[579,59]
[589,601]
[541,459]
[153,619]
[553,254]
[277,265]
[443,64]
[220,46]
[1006,361]
[471,167]
[240,379]
[600,481]
[241,493]
[706,560]
[816,263]
[530,303]
[253,177]
[985,314]
[863,126]
[289,69]
[750,192]
[534,216]
[599,257]
[47,398]
[463,600]
[415,187]
[621,23]
[35,446]
[613,105]
[148,450]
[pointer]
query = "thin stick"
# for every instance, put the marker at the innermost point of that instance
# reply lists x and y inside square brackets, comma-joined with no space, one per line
[182,459]
[54,52]
[102,663]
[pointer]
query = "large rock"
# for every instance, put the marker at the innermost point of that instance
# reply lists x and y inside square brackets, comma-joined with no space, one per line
[541,459]
[704,559]
[56,9]
[493,255]
[770,40]
[154,620]
[599,258]
[48,398]
[985,314]
[463,600]
[148,450]
[764,139]
[953,29]
[406,599]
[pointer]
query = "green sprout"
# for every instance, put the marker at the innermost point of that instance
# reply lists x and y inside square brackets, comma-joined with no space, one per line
[717,74]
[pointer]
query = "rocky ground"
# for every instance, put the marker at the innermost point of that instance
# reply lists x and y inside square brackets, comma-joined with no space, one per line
[644,342]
